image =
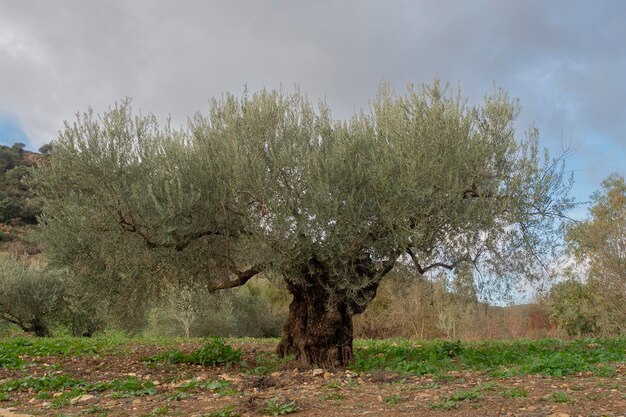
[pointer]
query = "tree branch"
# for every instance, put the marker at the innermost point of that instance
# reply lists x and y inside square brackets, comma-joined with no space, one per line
[178,245]
[239,278]
[422,270]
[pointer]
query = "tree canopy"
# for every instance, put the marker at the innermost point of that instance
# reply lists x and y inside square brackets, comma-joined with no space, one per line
[270,181]
[599,246]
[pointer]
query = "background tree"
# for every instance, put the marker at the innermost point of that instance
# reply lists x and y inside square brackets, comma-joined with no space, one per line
[271,182]
[572,306]
[599,245]
[31,297]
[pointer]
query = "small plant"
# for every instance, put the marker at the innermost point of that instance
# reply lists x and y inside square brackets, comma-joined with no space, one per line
[160,411]
[515,392]
[4,397]
[333,396]
[393,400]
[276,408]
[428,385]
[228,411]
[557,397]
[97,411]
[470,395]
[443,405]
[449,349]
[177,396]
[334,384]
[129,387]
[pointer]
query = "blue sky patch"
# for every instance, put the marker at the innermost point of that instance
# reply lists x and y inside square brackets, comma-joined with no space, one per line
[11,131]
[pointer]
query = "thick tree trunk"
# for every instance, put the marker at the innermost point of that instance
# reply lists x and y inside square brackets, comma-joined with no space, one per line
[318,331]
[39,328]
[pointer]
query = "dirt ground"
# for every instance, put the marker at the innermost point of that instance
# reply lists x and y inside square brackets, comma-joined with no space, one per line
[316,392]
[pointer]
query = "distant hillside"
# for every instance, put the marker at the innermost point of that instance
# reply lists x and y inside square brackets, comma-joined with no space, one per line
[19,207]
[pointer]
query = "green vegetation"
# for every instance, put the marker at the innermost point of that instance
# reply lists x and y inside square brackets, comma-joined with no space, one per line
[277,408]
[552,357]
[592,301]
[557,397]
[515,392]
[214,352]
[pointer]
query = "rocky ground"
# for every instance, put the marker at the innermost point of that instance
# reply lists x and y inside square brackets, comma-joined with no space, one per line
[193,390]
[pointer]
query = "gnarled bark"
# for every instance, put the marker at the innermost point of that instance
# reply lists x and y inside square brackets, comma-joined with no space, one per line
[318,331]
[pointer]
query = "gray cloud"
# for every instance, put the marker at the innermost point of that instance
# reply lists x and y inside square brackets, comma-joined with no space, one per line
[564,59]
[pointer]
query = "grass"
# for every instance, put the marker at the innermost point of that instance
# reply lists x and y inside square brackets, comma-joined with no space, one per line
[549,357]
[14,350]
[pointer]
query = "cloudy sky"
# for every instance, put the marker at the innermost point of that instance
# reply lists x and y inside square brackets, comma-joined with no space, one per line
[565,60]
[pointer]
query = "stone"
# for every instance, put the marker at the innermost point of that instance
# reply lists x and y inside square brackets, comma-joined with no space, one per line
[318,372]
[83,398]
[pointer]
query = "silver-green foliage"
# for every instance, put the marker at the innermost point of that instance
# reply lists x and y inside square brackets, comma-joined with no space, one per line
[272,181]
[31,297]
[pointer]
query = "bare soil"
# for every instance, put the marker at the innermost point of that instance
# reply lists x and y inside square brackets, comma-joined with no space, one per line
[316,392]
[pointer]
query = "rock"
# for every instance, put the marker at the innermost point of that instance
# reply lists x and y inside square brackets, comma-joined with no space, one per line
[4,412]
[57,394]
[327,375]
[318,372]
[350,374]
[156,383]
[83,398]
[131,374]
[276,374]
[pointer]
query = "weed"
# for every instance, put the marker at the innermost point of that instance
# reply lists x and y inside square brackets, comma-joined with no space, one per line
[515,392]
[276,408]
[177,396]
[160,411]
[469,395]
[557,397]
[392,400]
[97,411]
[443,405]
[4,397]
[449,349]
[129,387]
[334,384]
[334,396]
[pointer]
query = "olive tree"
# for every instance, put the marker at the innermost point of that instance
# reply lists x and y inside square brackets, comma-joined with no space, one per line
[599,246]
[270,181]
[31,296]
